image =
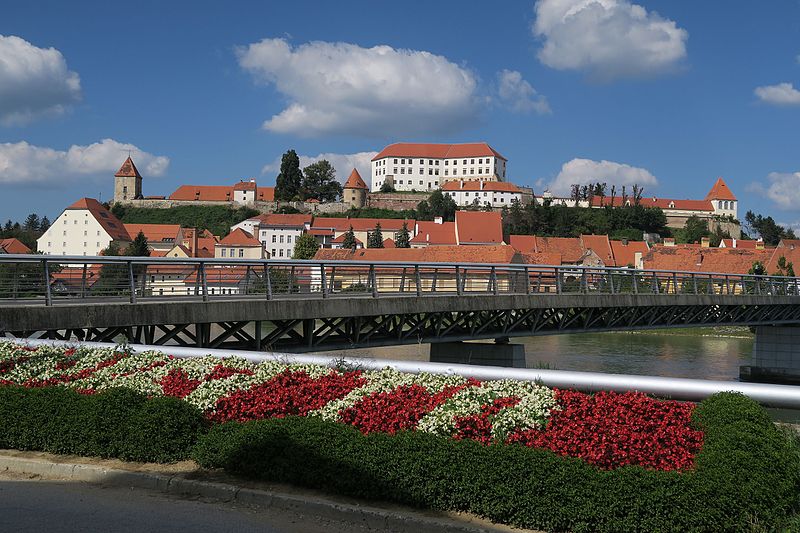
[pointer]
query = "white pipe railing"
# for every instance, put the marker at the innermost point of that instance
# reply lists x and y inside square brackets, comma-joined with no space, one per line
[785,396]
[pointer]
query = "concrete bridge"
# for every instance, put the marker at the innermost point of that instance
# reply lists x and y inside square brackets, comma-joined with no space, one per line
[307,306]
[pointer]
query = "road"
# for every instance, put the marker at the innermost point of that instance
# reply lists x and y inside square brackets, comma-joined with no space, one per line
[61,506]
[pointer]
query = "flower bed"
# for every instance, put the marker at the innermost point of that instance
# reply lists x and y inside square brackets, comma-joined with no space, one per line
[608,429]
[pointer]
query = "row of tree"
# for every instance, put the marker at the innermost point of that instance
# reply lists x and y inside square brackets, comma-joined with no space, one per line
[31,229]
[316,181]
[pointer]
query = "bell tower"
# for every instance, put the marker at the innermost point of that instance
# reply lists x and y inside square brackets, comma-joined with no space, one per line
[127,182]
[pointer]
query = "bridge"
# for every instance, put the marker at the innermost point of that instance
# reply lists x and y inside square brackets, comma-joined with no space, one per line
[307,306]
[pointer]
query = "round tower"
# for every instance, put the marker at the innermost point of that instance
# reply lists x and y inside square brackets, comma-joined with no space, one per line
[355,190]
[127,182]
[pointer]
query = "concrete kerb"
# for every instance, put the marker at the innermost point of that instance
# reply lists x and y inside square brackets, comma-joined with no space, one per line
[179,485]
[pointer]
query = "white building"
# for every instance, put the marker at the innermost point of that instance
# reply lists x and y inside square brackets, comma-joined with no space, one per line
[277,233]
[482,193]
[239,244]
[84,228]
[426,166]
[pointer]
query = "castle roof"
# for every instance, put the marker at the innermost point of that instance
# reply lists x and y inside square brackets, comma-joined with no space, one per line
[438,151]
[220,193]
[355,181]
[128,170]
[111,224]
[720,191]
[488,186]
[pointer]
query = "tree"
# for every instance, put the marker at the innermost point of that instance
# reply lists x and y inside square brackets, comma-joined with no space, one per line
[437,205]
[44,225]
[784,268]
[290,178]
[403,238]
[375,238]
[349,241]
[31,223]
[319,182]
[306,247]
[767,229]
[139,247]
[695,229]
[758,269]
[387,187]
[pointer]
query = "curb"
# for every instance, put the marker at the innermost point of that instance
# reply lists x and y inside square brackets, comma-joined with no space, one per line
[394,520]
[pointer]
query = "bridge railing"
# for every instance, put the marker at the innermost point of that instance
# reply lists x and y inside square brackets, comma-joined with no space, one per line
[49,280]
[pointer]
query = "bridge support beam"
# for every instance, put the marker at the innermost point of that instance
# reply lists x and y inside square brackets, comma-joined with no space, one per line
[479,353]
[776,356]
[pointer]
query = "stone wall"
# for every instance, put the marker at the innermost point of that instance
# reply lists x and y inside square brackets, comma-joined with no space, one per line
[261,207]
[396,201]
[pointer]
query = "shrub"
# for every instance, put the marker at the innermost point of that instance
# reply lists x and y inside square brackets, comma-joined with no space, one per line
[116,423]
[748,472]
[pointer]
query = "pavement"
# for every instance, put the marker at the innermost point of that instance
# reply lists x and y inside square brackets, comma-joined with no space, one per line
[40,491]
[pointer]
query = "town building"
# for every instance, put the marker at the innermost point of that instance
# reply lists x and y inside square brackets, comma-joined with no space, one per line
[327,229]
[83,228]
[355,191]
[13,246]
[435,233]
[160,237]
[586,250]
[480,228]
[496,194]
[239,244]
[426,166]
[277,233]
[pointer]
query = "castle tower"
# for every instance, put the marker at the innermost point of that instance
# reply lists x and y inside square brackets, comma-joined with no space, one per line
[355,190]
[127,182]
[722,199]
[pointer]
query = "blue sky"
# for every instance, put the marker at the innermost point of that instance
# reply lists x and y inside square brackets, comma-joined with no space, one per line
[666,94]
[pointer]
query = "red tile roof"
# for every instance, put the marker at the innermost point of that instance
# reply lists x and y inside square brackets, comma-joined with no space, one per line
[355,181]
[739,243]
[790,251]
[154,232]
[285,221]
[111,224]
[662,203]
[479,227]
[361,224]
[542,258]
[218,193]
[128,170]
[438,151]
[523,243]
[239,237]
[720,191]
[389,243]
[625,254]
[489,186]
[600,245]
[14,246]
[245,186]
[434,254]
[340,239]
[569,247]
[434,234]
[724,260]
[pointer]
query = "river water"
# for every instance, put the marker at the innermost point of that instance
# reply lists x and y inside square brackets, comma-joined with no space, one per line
[702,354]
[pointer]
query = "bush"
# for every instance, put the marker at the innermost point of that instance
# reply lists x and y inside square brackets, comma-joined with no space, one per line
[117,423]
[747,473]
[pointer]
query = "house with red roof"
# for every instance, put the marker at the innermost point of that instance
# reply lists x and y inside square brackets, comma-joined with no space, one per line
[483,193]
[13,246]
[239,244]
[479,228]
[426,166]
[84,228]
[277,232]
[435,233]
[328,229]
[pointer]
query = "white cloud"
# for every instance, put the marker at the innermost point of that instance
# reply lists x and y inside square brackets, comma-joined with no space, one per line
[34,81]
[585,171]
[342,88]
[783,188]
[781,94]
[519,95]
[343,163]
[25,164]
[607,38]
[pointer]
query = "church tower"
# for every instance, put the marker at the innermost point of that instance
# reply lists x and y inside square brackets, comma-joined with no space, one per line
[127,182]
[355,190]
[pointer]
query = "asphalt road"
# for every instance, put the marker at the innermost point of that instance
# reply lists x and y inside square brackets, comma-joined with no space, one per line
[62,506]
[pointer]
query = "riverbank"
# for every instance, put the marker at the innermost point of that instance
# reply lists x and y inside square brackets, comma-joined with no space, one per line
[731,332]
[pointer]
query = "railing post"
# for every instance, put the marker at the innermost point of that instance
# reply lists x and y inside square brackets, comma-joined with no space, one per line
[131,282]
[459,288]
[674,283]
[403,280]
[203,281]
[48,300]
[656,288]
[332,280]
[558,280]
[268,281]
[15,289]
[418,280]
[291,281]
[527,280]
[373,281]
[584,282]
[611,280]
[635,282]
[433,281]
[694,281]
[494,280]
[323,281]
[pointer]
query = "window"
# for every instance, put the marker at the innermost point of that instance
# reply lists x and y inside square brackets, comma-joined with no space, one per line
[85,222]
[65,221]
[430,172]
[64,244]
[273,252]
[395,161]
[402,161]
[274,238]
[402,171]
[480,161]
[445,162]
[222,252]
[465,162]
[437,162]
[65,233]
[400,182]
[233,251]
[84,244]
[471,161]
[437,171]
[394,171]
[98,245]
[420,182]
[430,161]
[48,244]
[76,222]
[281,239]
[472,171]
[485,194]
[288,239]
[84,233]
[241,252]
[98,233]
[280,252]
[445,172]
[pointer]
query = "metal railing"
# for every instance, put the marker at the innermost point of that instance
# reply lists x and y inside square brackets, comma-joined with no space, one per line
[48,280]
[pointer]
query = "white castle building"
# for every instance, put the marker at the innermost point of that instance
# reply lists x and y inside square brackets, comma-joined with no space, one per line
[426,166]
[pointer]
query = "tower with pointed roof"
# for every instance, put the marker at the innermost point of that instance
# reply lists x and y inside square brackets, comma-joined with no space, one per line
[355,190]
[127,182]
[722,199]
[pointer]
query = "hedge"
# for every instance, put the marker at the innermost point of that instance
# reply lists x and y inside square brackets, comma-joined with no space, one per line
[117,423]
[746,477]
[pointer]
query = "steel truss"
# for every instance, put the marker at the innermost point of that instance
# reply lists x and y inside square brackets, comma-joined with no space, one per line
[308,335]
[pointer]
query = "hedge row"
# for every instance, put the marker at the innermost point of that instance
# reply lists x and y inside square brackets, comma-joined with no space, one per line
[747,476]
[118,423]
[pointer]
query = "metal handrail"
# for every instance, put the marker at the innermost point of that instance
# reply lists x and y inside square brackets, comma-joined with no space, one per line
[127,278]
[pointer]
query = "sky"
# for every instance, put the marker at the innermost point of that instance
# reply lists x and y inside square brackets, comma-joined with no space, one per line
[668,95]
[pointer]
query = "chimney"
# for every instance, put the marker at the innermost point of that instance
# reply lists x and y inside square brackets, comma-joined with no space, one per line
[462,184]
[427,237]
[438,220]
[759,244]
[482,184]
[624,242]
[733,243]
[669,241]
[705,242]
[637,259]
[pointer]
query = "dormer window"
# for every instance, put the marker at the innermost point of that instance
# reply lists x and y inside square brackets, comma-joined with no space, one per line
[672,205]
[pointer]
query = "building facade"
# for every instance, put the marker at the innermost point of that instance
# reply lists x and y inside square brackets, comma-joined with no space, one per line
[83,228]
[277,233]
[426,166]
[482,193]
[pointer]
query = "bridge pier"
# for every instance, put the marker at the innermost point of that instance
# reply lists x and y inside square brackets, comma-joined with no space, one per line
[500,353]
[776,356]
